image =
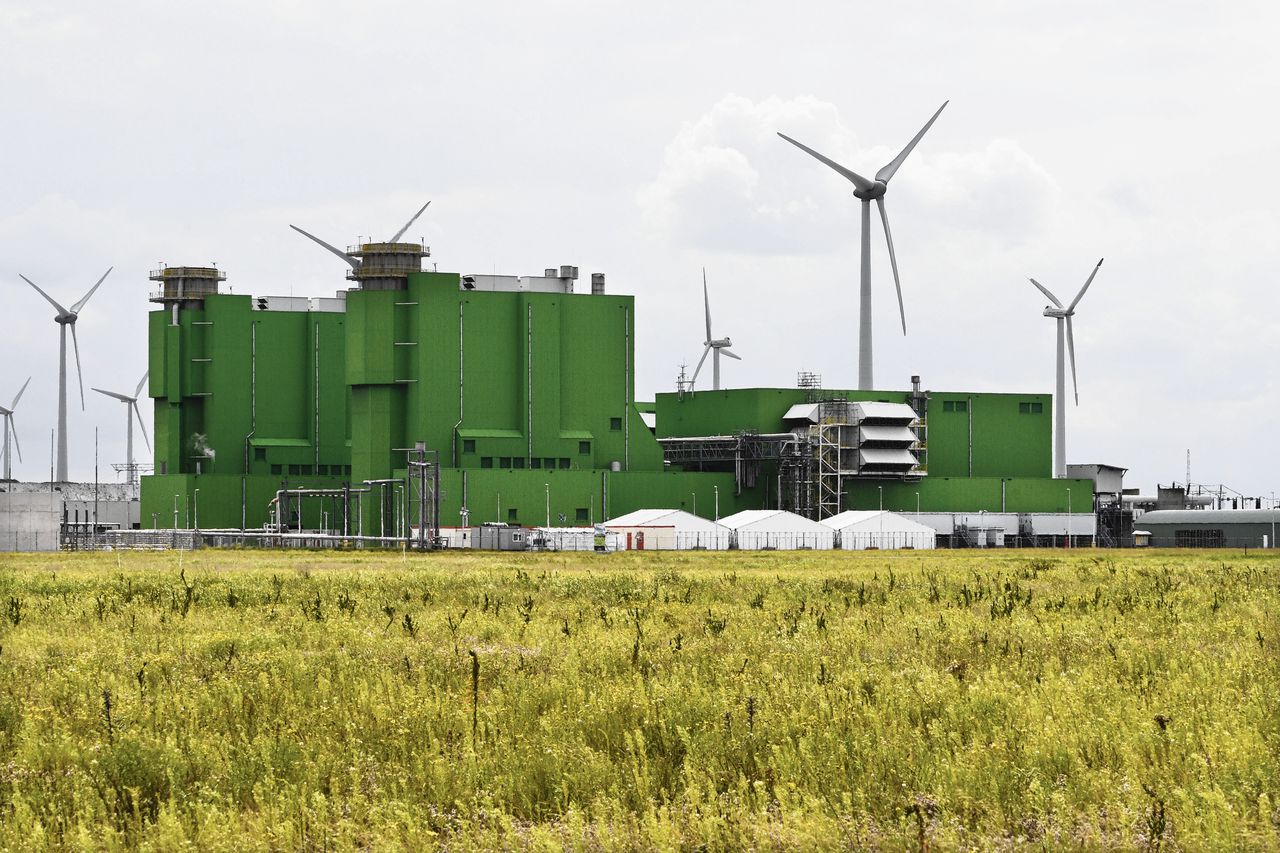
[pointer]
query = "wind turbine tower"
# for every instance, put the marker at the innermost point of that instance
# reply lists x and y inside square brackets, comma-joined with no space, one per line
[1063,317]
[10,430]
[66,318]
[868,191]
[131,406]
[714,346]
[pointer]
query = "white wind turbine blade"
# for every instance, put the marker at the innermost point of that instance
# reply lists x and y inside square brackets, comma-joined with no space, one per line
[75,343]
[1046,292]
[50,299]
[893,262]
[121,397]
[21,390]
[141,424]
[725,351]
[412,220]
[13,431]
[1071,350]
[1080,295]
[143,381]
[892,166]
[858,181]
[354,262]
[705,351]
[706,304]
[75,309]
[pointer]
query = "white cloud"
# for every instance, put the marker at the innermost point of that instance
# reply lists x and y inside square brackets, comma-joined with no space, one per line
[729,183]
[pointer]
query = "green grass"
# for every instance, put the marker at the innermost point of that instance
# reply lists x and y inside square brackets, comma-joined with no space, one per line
[721,701]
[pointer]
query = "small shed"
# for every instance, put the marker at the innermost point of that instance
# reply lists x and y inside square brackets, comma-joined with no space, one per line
[879,529]
[778,530]
[667,530]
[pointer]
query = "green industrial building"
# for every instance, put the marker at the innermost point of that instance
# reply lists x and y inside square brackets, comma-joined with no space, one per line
[524,391]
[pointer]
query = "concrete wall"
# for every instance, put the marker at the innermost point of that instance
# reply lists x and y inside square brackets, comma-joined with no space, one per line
[29,521]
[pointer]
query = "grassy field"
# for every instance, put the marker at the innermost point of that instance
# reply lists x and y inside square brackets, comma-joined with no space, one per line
[783,701]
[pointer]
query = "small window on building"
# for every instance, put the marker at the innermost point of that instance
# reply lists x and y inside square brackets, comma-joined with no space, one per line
[1031,408]
[517,462]
[955,405]
[468,445]
[548,462]
[615,423]
[306,470]
[512,515]
[584,447]
[1024,408]
[486,461]
[295,470]
[564,463]
[277,469]
[580,514]
[259,454]
[535,462]
[504,461]
[164,468]
[322,470]
[1037,408]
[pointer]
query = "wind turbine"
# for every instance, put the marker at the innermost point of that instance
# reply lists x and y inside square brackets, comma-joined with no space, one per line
[351,259]
[1063,316]
[868,191]
[711,344]
[9,429]
[66,318]
[131,406]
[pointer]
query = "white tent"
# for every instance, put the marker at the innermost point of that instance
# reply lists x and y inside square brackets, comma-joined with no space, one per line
[667,530]
[861,529]
[774,529]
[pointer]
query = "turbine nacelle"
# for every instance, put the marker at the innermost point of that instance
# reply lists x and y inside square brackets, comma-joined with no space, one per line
[872,193]
[722,342]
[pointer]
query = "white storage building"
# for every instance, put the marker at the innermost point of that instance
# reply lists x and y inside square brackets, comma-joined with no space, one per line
[863,529]
[775,529]
[667,530]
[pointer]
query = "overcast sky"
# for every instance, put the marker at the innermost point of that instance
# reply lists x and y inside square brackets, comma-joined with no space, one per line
[638,140]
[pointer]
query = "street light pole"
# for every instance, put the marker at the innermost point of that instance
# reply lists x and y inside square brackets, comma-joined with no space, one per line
[196,508]
[881,490]
[694,495]
[917,504]
[717,488]
[547,487]
[175,512]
